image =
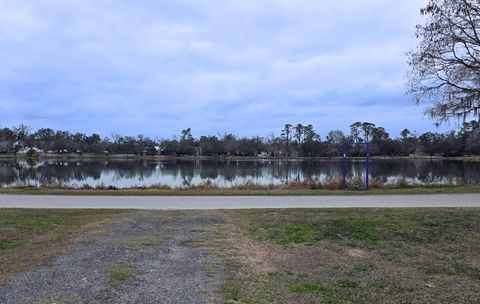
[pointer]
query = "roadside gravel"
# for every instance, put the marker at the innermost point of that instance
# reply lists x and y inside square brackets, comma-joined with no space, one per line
[144,257]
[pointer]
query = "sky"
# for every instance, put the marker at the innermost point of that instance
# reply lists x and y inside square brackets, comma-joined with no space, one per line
[243,66]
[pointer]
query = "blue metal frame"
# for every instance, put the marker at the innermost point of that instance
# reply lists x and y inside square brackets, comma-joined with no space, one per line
[344,163]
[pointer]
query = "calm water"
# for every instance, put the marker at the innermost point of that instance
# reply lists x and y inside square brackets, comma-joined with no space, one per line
[178,173]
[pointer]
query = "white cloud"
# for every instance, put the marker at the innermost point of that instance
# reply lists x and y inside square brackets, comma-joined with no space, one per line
[170,58]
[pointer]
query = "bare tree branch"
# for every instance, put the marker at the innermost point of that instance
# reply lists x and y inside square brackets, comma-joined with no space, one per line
[445,67]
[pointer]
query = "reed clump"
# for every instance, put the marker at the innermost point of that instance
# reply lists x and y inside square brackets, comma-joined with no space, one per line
[401,183]
[376,183]
[250,184]
[329,183]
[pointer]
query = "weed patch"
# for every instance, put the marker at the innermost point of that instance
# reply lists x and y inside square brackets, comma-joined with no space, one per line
[327,294]
[350,231]
[347,283]
[10,243]
[39,222]
[119,273]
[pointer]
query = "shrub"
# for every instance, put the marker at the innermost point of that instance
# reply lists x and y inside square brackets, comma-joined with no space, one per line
[31,153]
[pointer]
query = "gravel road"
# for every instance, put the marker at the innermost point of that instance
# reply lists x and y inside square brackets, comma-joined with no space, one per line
[240,202]
[144,257]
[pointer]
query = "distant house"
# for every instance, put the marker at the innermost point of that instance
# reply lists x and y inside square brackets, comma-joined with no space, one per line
[263,154]
[26,149]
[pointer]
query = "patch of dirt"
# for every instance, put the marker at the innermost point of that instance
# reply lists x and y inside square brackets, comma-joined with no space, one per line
[164,268]
[258,257]
[357,253]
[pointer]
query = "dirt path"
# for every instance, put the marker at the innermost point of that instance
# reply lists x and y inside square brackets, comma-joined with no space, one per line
[144,257]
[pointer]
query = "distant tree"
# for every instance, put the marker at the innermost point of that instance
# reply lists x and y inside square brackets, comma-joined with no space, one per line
[45,138]
[287,130]
[469,127]
[187,135]
[405,133]
[408,142]
[361,131]
[31,153]
[451,145]
[379,134]
[21,132]
[210,145]
[470,134]
[355,131]
[94,144]
[445,68]
[336,137]
[79,142]
[472,143]
[298,133]
[63,142]
[170,146]
[381,144]
[309,134]
[229,142]
[311,143]
[7,139]
[430,142]
[7,134]
[367,128]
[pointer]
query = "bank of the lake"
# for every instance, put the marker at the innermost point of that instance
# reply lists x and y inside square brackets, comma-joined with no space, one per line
[86,156]
[236,192]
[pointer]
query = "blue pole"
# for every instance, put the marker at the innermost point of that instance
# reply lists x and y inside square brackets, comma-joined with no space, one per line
[367,165]
[344,166]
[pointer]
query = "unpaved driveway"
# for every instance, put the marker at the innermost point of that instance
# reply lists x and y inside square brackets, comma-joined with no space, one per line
[143,257]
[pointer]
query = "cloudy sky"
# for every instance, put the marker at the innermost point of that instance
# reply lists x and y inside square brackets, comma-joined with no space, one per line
[241,66]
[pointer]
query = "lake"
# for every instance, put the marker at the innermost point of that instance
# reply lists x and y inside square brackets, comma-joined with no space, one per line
[184,173]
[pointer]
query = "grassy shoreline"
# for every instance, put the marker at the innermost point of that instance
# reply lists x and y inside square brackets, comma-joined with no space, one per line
[237,192]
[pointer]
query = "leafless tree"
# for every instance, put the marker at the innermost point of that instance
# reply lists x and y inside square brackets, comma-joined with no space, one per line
[445,67]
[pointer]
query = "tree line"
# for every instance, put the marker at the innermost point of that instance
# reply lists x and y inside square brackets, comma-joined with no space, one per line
[294,141]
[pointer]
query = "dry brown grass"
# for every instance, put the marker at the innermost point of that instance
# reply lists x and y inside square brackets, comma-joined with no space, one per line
[376,183]
[329,183]
[120,272]
[40,235]
[401,183]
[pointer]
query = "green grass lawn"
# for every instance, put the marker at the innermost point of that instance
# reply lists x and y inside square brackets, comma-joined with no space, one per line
[351,256]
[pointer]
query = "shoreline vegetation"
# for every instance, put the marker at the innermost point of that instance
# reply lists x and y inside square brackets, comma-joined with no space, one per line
[74,156]
[331,186]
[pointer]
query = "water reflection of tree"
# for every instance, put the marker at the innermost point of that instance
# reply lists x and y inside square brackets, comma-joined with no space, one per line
[65,172]
[227,172]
